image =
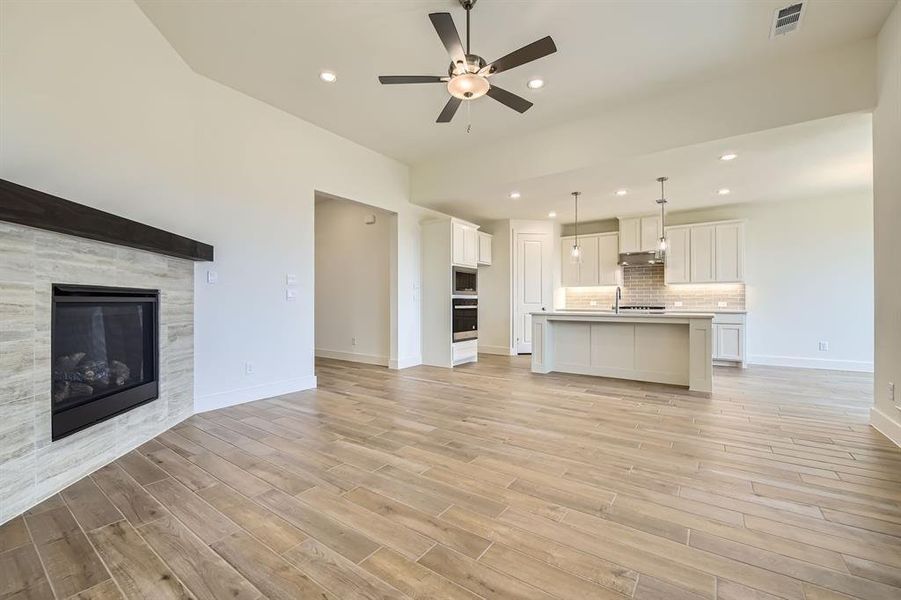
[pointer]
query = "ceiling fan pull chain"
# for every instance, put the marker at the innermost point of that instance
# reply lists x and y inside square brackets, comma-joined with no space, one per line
[469,116]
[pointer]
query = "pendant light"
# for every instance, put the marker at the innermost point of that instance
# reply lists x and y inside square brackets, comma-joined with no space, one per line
[575,253]
[661,243]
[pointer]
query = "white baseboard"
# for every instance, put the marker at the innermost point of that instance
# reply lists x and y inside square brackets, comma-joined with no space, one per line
[860,366]
[249,394]
[886,425]
[405,363]
[369,359]
[502,350]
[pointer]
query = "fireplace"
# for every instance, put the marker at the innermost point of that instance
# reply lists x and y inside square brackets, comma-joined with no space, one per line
[104,348]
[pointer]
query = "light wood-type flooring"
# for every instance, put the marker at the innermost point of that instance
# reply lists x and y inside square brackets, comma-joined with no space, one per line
[488,482]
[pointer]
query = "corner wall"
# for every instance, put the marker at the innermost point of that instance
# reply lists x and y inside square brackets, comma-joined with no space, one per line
[886,414]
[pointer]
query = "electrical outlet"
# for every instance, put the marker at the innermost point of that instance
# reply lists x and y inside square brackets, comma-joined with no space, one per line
[353,341]
[248,368]
[891,391]
[823,346]
[677,303]
[722,304]
[593,303]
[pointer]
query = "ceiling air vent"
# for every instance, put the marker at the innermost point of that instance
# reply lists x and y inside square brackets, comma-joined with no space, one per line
[788,19]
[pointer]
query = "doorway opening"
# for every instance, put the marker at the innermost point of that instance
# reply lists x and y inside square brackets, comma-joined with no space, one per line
[353,275]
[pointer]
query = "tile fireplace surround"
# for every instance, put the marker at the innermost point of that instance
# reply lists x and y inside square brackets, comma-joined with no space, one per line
[31,466]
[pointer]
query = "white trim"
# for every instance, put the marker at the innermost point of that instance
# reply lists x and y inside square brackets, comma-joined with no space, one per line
[502,350]
[369,359]
[249,394]
[884,424]
[802,362]
[405,363]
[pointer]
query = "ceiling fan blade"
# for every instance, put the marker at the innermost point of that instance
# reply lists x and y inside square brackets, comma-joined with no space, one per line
[510,99]
[526,54]
[393,79]
[449,110]
[447,31]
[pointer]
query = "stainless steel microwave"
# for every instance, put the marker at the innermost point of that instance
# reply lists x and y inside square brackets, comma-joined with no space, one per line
[465,281]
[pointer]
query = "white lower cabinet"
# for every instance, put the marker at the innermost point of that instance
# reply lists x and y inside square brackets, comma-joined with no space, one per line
[729,339]
[464,352]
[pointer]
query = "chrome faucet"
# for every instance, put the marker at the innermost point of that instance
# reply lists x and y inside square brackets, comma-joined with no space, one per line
[619,295]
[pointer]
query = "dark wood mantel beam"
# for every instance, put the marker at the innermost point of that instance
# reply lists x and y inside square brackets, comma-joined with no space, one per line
[26,206]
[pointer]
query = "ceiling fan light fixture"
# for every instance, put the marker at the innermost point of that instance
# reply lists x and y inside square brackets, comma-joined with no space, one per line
[468,86]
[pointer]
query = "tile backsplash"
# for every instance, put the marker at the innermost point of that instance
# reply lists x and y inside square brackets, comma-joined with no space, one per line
[644,285]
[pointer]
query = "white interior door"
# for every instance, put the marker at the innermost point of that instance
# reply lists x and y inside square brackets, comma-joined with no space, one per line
[532,285]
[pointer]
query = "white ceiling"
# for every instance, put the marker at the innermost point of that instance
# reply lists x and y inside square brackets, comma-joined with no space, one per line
[608,52]
[808,160]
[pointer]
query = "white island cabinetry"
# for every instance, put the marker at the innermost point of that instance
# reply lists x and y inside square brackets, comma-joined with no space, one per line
[672,348]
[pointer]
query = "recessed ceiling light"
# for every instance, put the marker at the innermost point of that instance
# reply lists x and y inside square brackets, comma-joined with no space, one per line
[728,156]
[535,84]
[552,214]
[622,192]
[328,77]
[515,195]
[724,191]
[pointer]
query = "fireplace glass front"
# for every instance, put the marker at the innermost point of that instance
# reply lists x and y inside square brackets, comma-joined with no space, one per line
[104,354]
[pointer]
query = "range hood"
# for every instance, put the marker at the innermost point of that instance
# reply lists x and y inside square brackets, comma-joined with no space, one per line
[651,257]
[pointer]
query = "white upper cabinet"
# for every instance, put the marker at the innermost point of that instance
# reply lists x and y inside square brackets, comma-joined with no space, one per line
[569,271]
[703,248]
[600,254]
[639,234]
[678,255]
[608,259]
[729,252]
[650,233]
[630,234]
[485,240]
[465,240]
[705,253]
[588,269]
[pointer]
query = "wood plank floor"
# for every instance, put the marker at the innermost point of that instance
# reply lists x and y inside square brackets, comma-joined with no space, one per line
[488,482]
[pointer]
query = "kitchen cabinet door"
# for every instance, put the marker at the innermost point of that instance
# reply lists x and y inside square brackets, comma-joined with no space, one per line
[485,241]
[728,344]
[470,246]
[630,234]
[650,233]
[457,237]
[678,255]
[702,251]
[569,271]
[608,257]
[729,252]
[588,269]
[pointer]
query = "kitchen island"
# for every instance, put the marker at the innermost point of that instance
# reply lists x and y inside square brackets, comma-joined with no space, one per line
[673,348]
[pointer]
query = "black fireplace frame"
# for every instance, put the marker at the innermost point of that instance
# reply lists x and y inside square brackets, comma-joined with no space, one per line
[72,420]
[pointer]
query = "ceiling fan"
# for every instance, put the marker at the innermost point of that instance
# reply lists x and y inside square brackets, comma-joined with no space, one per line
[467,76]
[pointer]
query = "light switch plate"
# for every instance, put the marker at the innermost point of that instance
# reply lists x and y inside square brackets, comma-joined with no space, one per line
[290,279]
[291,294]
[212,277]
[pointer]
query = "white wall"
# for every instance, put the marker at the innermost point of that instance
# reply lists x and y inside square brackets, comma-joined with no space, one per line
[99,109]
[809,278]
[886,415]
[353,281]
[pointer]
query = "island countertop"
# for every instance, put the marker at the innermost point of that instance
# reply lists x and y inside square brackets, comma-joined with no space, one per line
[623,315]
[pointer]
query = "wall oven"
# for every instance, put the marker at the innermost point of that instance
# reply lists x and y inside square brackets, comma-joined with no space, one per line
[465,281]
[466,318]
